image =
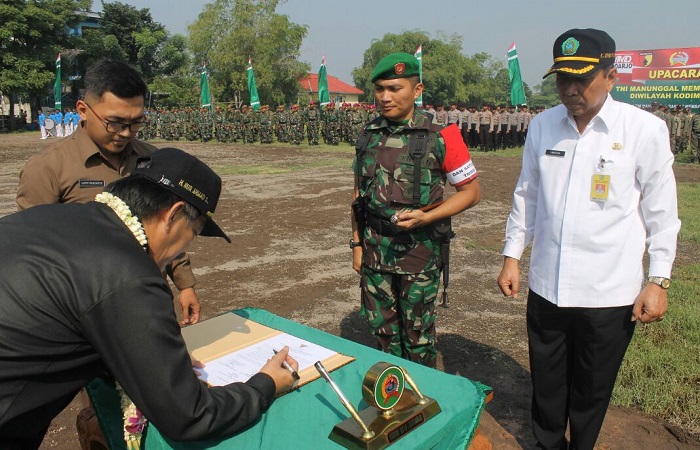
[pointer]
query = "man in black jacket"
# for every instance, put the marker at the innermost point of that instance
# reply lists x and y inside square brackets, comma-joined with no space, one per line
[82,295]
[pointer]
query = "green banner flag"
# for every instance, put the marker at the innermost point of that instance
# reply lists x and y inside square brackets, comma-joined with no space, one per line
[204,94]
[517,93]
[252,88]
[57,85]
[419,57]
[324,96]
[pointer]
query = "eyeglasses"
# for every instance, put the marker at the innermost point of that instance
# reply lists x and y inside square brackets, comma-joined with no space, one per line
[118,127]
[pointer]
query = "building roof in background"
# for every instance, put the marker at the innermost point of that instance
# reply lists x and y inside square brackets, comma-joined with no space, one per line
[335,86]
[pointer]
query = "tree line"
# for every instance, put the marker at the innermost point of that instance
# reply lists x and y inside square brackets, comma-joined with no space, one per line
[223,37]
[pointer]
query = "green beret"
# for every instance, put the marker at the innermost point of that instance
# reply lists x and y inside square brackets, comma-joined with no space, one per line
[396,65]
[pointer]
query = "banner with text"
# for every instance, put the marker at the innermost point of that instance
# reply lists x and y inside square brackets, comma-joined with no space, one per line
[670,76]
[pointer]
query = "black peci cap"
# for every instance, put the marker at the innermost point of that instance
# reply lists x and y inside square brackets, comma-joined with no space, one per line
[188,178]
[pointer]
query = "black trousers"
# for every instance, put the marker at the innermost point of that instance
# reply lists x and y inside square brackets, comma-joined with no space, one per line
[485,137]
[465,135]
[513,136]
[501,136]
[522,135]
[473,136]
[575,354]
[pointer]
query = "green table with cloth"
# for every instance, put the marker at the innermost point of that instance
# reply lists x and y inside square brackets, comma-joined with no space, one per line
[304,417]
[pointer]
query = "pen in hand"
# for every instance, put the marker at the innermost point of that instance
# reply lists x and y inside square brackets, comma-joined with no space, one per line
[286,365]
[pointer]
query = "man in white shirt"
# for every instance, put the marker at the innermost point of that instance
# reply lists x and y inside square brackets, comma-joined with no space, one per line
[596,188]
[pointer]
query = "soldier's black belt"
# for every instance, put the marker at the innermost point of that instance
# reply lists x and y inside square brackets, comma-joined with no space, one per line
[384,227]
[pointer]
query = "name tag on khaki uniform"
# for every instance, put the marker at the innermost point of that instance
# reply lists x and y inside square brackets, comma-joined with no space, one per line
[91,183]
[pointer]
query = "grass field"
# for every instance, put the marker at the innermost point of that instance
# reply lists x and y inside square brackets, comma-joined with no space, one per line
[661,372]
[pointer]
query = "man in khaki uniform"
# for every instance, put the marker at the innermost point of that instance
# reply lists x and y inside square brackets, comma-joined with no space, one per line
[501,127]
[464,120]
[485,127]
[103,149]
[513,127]
[524,122]
[453,115]
[441,116]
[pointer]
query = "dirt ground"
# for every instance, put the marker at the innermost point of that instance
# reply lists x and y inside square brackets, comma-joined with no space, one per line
[290,256]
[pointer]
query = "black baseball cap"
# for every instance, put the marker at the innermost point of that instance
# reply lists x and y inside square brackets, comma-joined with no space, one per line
[187,177]
[580,52]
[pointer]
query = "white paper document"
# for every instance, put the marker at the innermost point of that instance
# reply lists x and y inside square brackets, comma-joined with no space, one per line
[243,364]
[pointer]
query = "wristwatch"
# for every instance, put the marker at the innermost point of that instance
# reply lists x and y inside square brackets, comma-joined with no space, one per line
[354,244]
[665,283]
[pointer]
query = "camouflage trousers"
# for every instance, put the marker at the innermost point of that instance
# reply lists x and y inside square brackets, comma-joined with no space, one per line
[401,313]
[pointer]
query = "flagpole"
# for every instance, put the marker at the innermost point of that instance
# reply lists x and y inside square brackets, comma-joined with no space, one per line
[419,56]
[57,85]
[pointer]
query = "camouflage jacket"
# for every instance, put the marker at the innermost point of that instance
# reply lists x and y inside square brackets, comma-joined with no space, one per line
[385,171]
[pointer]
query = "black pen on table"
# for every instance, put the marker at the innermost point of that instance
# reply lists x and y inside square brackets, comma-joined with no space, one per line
[286,365]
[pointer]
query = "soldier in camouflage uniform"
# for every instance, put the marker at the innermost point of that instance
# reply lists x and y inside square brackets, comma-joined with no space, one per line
[355,121]
[687,123]
[234,119]
[399,261]
[333,125]
[206,124]
[221,131]
[265,121]
[313,119]
[282,124]
[249,125]
[695,137]
[296,126]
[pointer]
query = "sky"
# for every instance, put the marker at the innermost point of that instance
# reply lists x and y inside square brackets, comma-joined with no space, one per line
[344,29]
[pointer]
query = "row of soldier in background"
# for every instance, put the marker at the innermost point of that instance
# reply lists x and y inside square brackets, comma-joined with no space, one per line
[491,128]
[333,124]
[494,127]
[680,122]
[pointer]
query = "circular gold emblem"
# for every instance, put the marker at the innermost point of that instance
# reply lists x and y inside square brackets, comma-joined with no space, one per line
[383,386]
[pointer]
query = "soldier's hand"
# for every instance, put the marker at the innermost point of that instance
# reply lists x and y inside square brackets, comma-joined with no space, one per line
[410,219]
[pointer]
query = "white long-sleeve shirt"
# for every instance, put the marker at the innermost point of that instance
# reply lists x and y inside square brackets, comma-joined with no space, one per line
[588,253]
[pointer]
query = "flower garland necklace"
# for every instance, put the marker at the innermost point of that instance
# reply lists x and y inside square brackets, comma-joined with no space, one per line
[134,421]
[122,211]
